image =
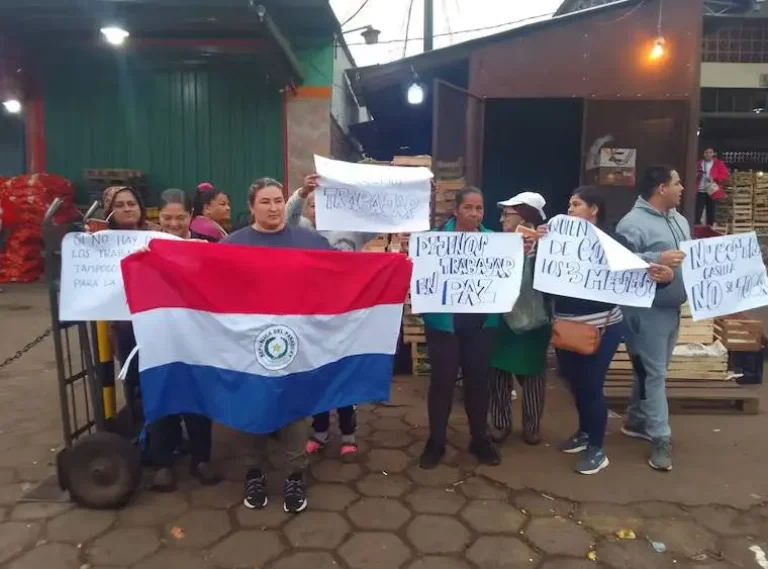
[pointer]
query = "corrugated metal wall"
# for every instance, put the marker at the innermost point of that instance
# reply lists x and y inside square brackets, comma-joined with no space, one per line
[180,127]
[11,145]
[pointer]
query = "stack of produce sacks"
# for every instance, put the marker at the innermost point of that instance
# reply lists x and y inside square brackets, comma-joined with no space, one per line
[24,200]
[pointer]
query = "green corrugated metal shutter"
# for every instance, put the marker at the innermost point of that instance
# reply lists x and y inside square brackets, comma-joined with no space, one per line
[179,127]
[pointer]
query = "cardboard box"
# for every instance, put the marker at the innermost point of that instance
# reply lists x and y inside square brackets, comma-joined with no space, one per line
[616,167]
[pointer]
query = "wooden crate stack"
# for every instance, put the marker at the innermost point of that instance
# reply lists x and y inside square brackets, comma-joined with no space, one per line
[449,179]
[414,335]
[695,381]
[760,204]
[735,214]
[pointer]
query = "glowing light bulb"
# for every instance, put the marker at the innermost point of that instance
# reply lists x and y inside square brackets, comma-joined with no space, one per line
[12,106]
[115,35]
[415,94]
[658,49]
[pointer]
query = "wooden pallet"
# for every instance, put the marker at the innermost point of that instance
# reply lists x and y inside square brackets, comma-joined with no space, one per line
[693,397]
[422,161]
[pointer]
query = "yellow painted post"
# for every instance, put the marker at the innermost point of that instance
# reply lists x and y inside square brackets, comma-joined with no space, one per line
[106,370]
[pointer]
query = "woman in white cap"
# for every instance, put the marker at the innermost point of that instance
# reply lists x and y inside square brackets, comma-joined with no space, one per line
[520,349]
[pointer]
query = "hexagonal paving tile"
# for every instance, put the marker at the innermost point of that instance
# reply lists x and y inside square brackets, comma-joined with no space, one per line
[684,537]
[388,460]
[7,476]
[435,501]
[247,549]
[478,489]
[501,553]
[633,554]
[558,536]
[538,504]
[660,510]
[49,556]
[726,521]
[435,562]
[79,525]
[199,528]
[336,471]
[389,439]
[493,516]
[437,534]
[607,519]
[381,486]
[442,475]
[377,550]
[387,410]
[151,508]
[175,559]
[333,497]
[224,495]
[273,516]
[378,514]
[3,514]
[394,424]
[318,530]
[306,560]
[569,563]
[123,546]
[39,510]
[737,551]
[10,494]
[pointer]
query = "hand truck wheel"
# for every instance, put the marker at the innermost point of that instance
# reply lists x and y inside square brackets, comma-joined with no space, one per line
[100,471]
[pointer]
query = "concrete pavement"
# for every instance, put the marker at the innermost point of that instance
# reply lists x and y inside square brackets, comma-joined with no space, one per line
[383,512]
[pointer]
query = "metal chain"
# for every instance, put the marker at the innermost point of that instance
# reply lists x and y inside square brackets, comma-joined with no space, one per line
[9,360]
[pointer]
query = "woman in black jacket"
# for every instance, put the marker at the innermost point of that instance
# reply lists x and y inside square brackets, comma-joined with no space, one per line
[586,373]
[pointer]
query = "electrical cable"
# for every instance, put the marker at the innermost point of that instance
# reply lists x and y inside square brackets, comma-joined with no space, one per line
[407,28]
[353,16]
[457,32]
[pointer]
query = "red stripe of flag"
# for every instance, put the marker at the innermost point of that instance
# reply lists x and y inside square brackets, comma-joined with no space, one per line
[235,279]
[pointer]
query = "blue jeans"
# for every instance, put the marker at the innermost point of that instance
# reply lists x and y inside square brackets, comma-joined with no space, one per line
[586,376]
[651,339]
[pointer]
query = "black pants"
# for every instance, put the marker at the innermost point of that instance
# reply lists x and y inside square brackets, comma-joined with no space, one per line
[704,202]
[347,421]
[586,377]
[471,351]
[533,389]
[165,436]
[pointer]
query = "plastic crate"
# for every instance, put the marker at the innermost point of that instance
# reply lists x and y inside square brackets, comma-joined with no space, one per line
[748,363]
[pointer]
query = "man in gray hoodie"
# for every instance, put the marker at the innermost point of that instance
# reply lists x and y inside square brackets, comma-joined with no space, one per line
[300,210]
[654,230]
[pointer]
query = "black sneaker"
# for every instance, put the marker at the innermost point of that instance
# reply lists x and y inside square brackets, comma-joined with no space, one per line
[432,455]
[485,451]
[295,497]
[255,490]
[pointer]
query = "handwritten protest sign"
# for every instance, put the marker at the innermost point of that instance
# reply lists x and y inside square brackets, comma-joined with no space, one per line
[370,198]
[724,275]
[91,279]
[465,272]
[578,260]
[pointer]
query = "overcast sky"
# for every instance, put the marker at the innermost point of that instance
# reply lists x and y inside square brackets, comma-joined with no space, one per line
[452,17]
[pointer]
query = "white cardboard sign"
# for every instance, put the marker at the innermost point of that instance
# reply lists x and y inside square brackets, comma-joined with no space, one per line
[370,198]
[91,278]
[578,260]
[724,275]
[465,272]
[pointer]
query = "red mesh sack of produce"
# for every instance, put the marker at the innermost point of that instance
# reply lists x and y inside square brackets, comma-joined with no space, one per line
[21,260]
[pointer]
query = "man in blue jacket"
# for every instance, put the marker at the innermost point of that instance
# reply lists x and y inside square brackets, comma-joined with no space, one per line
[654,230]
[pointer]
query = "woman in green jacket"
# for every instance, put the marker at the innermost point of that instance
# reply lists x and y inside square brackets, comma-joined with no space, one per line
[519,355]
[460,341]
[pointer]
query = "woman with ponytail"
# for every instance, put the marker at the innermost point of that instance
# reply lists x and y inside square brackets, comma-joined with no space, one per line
[210,213]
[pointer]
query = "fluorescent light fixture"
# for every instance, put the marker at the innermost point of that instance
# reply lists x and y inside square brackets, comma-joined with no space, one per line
[114,35]
[13,106]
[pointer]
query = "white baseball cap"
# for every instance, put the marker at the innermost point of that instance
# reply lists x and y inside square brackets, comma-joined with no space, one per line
[532,199]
